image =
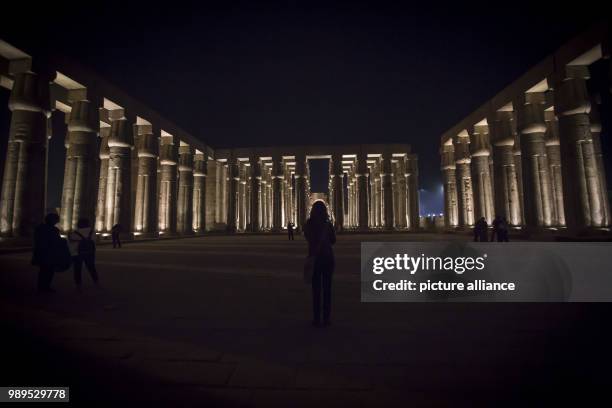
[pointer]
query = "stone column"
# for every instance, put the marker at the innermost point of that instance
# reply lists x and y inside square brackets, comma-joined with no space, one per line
[362,191]
[481,175]
[167,186]
[102,178]
[464,181]
[412,175]
[386,176]
[301,194]
[242,196]
[118,190]
[277,176]
[518,166]
[145,217]
[451,206]
[338,182]
[255,194]
[536,177]
[200,174]
[79,172]
[553,151]
[378,197]
[502,133]
[232,202]
[184,214]
[23,200]
[596,135]
[585,200]
[403,196]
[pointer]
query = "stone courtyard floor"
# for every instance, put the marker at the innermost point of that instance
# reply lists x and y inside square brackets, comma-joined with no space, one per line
[225,321]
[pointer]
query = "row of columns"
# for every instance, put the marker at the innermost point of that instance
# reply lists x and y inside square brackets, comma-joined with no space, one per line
[536,161]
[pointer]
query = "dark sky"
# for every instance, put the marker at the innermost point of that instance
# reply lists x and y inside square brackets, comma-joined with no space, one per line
[249,75]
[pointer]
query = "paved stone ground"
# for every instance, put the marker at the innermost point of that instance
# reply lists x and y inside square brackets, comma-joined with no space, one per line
[225,321]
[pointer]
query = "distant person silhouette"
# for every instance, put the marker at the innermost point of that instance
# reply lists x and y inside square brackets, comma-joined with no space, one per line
[47,249]
[290,228]
[320,234]
[115,232]
[503,230]
[83,251]
[496,224]
[480,230]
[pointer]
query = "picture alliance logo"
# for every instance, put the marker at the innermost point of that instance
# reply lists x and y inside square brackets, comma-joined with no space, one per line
[414,264]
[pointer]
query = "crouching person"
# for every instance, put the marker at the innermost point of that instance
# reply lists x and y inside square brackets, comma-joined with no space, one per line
[83,250]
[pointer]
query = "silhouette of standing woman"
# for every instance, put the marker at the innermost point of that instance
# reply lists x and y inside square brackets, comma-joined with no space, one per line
[320,234]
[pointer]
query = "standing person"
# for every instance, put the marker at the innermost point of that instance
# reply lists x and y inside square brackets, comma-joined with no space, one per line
[83,250]
[47,239]
[290,231]
[320,234]
[496,229]
[115,232]
[480,230]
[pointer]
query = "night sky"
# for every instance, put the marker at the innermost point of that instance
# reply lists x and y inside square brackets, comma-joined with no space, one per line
[262,75]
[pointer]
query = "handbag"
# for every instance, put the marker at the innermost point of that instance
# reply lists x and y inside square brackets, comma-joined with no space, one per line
[309,262]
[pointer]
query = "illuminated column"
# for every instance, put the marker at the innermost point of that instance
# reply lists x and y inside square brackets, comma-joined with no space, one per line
[277,176]
[167,187]
[378,196]
[536,177]
[553,151]
[507,200]
[145,215]
[255,194]
[451,206]
[362,191]
[200,173]
[184,213]
[300,185]
[481,175]
[219,192]
[518,166]
[79,172]
[412,183]
[387,192]
[337,175]
[584,197]
[400,198]
[596,135]
[464,180]
[232,198]
[103,178]
[118,189]
[22,204]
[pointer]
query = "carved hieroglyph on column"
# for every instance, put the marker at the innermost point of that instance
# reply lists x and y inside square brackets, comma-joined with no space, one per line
[582,189]
[184,213]
[23,181]
[481,175]
[531,126]
[79,172]
[200,172]
[147,146]
[464,180]
[451,206]
[502,132]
